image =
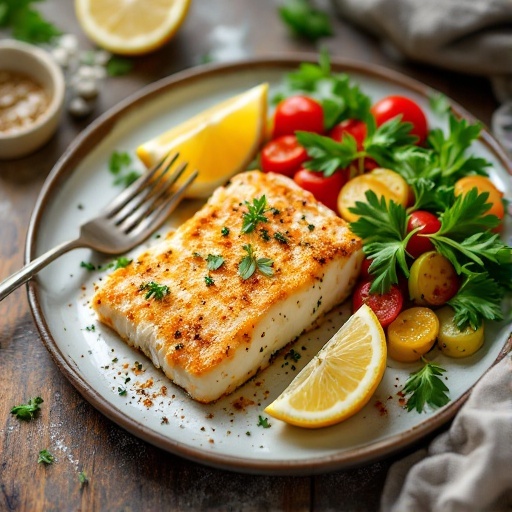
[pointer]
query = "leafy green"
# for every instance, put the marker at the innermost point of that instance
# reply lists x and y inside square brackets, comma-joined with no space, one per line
[339,96]
[29,410]
[118,66]
[304,20]
[25,22]
[425,387]
[255,214]
[382,227]
[249,264]
[439,103]
[155,290]
[213,261]
[119,165]
[478,297]
[82,478]
[45,456]
[263,422]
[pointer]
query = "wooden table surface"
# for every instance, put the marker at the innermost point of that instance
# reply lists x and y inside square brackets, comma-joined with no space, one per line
[125,473]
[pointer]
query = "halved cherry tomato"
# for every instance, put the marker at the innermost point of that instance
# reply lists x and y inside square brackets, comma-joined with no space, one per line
[283,155]
[392,106]
[386,306]
[427,223]
[354,127]
[325,189]
[298,113]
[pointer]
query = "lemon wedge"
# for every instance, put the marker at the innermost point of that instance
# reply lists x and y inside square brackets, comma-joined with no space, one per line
[219,141]
[340,380]
[130,28]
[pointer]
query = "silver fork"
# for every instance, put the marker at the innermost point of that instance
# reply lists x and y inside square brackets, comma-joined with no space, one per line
[127,221]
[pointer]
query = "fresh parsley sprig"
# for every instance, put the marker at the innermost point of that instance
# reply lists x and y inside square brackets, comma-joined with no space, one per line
[255,214]
[426,387]
[339,96]
[479,297]
[249,264]
[155,290]
[46,457]
[382,227]
[29,410]
[327,155]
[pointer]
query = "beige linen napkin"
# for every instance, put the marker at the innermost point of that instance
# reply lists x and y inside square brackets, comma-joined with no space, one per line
[471,36]
[469,467]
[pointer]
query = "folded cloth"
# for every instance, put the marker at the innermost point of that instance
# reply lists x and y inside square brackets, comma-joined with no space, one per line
[469,467]
[471,36]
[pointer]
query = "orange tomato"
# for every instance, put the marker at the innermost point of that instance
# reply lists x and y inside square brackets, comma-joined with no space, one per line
[483,184]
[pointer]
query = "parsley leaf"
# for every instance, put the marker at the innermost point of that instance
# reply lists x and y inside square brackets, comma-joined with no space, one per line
[478,297]
[425,387]
[82,478]
[213,262]
[122,262]
[382,227]
[263,422]
[27,411]
[254,214]
[249,264]
[304,20]
[339,96]
[118,165]
[439,103]
[158,291]
[45,456]
[26,23]
[118,66]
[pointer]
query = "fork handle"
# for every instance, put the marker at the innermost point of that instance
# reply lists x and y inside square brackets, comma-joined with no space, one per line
[32,268]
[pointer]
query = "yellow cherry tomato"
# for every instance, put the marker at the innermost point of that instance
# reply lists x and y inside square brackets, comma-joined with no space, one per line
[433,280]
[452,341]
[412,334]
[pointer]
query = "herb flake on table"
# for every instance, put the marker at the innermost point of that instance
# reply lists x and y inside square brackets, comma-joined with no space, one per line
[25,22]
[304,20]
[45,457]
[82,478]
[28,411]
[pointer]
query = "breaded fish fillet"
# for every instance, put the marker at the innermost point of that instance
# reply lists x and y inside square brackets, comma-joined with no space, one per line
[211,329]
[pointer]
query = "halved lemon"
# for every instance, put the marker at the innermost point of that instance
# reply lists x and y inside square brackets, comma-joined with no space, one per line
[340,380]
[218,142]
[130,27]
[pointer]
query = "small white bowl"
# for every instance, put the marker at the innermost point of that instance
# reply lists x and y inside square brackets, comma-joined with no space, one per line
[18,57]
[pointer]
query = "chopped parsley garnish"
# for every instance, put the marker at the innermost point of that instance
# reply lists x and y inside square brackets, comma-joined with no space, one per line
[122,262]
[90,328]
[224,231]
[209,281]
[264,234]
[213,261]
[282,239]
[311,227]
[249,264]
[263,422]
[27,411]
[118,66]
[82,478]
[121,391]
[45,456]
[255,214]
[155,290]
[119,165]
[88,266]
[425,387]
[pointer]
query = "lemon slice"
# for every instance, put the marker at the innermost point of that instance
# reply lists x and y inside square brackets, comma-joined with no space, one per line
[340,380]
[130,27]
[218,142]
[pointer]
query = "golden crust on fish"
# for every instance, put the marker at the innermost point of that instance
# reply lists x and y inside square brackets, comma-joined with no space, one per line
[213,330]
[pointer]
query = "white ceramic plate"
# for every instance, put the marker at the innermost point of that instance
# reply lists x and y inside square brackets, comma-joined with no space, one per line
[225,434]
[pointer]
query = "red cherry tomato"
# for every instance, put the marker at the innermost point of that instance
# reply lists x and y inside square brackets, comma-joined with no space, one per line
[355,127]
[283,155]
[427,223]
[325,190]
[298,113]
[392,106]
[365,269]
[386,306]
